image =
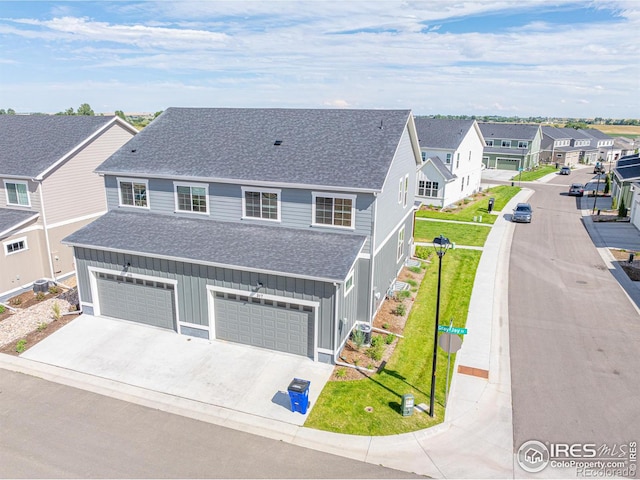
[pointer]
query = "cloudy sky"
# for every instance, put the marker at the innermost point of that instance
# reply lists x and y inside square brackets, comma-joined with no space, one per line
[477,57]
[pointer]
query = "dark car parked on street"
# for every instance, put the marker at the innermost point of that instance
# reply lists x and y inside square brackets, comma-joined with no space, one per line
[522,213]
[565,171]
[576,190]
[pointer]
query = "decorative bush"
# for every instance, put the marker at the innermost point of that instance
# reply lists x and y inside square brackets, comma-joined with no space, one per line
[401,309]
[622,211]
[2,309]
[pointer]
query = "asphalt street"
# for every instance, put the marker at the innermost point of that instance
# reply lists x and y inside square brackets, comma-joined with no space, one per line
[574,335]
[48,430]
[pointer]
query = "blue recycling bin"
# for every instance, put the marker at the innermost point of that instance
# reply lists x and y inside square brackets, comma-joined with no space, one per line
[299,395]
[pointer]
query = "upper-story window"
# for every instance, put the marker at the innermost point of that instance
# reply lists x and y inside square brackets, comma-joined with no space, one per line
[424,156]
[489,143]
[400,250]
[448,159]
[261,203]
[15,246]
[523,144]
[406,191]
[506,143]
[457,160]
[400,187]
[334,209]
[133,193]
[17,193]
[192,197]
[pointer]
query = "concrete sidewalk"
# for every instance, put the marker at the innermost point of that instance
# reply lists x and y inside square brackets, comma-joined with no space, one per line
[474,441]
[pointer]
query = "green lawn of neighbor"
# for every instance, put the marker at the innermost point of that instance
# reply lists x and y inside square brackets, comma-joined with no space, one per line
[535,174]
[341,406]
[458,233]
[476,209]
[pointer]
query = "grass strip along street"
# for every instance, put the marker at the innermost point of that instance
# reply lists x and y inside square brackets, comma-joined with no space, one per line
[459,233]
[371,406]
[472,211]
[342,405]
[535,174]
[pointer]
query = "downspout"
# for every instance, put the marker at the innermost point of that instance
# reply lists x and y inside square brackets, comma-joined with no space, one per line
[372,248]
[46,231]
[336,343]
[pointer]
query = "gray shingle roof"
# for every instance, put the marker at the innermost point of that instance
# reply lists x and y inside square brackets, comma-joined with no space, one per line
[296,252]
[341,148]
[514,131]
[556,133]
[441,133]
[442,168]
[595,133]
[29,144]
[10,219]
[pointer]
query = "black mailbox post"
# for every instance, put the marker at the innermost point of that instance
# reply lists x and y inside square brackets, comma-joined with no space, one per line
[491,202]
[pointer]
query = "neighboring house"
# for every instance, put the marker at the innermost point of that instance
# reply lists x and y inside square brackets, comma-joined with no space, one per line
[634,208]
[566,147]
[626,146]
[48,189]
[276,228]
[511,146]
[603,143]
[625,173]
[451,166]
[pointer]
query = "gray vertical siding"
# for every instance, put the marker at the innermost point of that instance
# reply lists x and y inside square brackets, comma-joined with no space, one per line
[386,264]
[193,278]
[389,211]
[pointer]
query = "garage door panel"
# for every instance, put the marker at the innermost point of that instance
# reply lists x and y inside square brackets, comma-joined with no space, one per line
[150,303]
[265,326]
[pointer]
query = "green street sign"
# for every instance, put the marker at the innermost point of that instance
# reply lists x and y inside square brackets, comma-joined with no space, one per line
[454,330]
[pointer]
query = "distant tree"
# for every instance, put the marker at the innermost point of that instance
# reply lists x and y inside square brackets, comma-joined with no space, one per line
[607,184]
[85,109]
[3,111]
[120,113]
[69,111]
[158,113]
[11,111]
[576,125]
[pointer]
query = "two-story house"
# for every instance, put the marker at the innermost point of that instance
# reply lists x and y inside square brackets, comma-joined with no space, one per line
[48,189]
[276,228]
[625,174]
[511,146]
[451,166]
[603,143]
[566,146]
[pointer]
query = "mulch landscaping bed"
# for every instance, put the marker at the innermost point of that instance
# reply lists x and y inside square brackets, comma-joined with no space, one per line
[631,269]
[389,323]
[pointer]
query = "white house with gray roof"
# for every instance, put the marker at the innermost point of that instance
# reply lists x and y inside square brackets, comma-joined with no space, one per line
[48,189]
[511,146]
[277,228]
[451,167]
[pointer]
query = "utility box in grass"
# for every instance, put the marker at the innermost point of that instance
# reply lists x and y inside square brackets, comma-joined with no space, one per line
[407,405]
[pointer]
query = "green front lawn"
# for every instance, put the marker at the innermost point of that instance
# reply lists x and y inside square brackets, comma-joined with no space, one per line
[478,208]
[458,233]
[341,406]
[535,174]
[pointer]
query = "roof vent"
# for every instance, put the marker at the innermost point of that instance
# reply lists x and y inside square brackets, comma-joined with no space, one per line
[133,150]
[278,142]
[381,127]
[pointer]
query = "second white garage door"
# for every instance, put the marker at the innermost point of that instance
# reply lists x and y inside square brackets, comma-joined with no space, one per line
[280,326]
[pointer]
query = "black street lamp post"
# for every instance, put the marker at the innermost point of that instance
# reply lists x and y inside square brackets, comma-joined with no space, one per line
[441,244]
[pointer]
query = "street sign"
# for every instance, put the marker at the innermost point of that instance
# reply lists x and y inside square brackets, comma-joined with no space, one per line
[454,330]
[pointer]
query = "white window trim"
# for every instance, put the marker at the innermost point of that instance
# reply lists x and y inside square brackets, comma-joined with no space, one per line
[351,277]
[17,182]
[146,184]
[400,190]
[189,184]
[314,195]
[502,144]
[400,249]
[489,143]
[447,158]
[277,191]
[11,242]
[405,194]
[523,144]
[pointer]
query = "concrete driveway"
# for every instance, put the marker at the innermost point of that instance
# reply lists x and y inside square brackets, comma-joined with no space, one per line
[236,377]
